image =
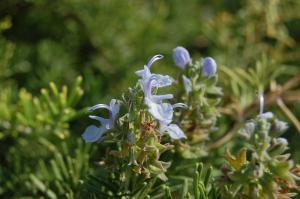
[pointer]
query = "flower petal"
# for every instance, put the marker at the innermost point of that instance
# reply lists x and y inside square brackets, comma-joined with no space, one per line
[93,134]
[114,108]
[173,131]
[107,123]
[162,112]
[160,81]
[160,98]
[145,73]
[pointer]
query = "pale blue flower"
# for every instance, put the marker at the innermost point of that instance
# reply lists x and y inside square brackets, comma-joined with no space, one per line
[145,73]
[209,67]
[172,130]
[150,81]
[113,110]
[161,111]
[187,84]
[156,81]
[93,133]
[181,57]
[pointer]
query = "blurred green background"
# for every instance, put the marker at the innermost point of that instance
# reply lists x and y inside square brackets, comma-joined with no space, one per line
[255,43]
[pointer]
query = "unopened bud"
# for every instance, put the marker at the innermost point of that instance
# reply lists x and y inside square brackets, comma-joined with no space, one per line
[209,67]
[181,57]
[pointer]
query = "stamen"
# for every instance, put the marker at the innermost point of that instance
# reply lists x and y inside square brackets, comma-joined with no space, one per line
[101,106]
[154,59]
[148,89]
[179,105]
[261,103]
[98,106]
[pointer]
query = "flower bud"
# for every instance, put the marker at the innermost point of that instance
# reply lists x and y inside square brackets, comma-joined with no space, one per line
[282,141]
[280,126]
[284,157]
[266,116]
[248,130]
[250,127]
[279,146]
[131,138]
[181,57]
[209,67]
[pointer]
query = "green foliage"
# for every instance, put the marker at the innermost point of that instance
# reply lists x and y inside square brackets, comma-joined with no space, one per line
[65,175]
[36,128]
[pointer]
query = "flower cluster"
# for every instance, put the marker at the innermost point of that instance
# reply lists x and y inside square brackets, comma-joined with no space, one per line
[160,110]
[202,95]
[139,157]
[268,173]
